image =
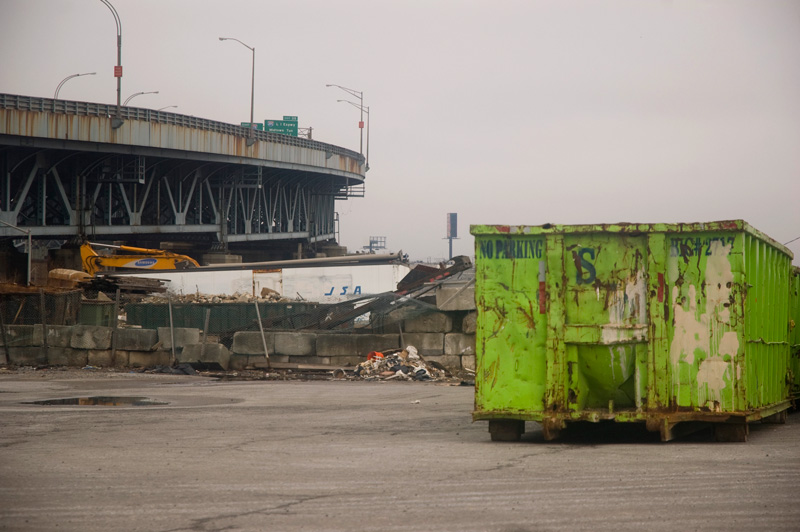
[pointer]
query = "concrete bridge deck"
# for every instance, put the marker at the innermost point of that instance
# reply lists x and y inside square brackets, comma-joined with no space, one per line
[79,168]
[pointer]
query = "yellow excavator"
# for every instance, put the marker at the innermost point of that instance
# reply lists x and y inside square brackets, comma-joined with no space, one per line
[132,258]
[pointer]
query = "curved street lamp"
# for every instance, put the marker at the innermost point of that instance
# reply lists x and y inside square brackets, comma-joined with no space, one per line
[134,95]
[118,69]
[55,96]
[360,96]
[250,139]
[363,110]
[167,107]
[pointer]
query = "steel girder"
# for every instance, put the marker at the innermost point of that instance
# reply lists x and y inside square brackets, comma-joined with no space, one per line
[67,193]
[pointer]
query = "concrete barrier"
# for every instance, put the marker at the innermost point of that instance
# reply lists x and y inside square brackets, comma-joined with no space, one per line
[183,336]
[146,359]
[136,339]
[90,337]
[459,344]
[27,356]
[336,345]
[455,296]
[426,343]
[433,322]
[102,358]
[469,324]
[67,356]
[366,343]
[23,335]
[209,353]
[250,343]
[295,344]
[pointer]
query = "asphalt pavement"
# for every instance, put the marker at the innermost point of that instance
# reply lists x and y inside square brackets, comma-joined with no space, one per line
[343,455]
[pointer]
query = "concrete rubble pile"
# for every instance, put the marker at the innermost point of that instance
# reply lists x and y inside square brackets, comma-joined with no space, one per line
[405,364]
[266,295]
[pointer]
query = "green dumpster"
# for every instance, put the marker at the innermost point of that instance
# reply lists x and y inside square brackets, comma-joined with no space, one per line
[96,312]
[794,329]
[652,323]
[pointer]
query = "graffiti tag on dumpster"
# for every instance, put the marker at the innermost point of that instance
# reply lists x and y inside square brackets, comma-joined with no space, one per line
[586,270]
[695,247]
[503,248]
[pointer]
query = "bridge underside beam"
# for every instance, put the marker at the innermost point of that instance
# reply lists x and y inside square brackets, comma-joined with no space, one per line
[64,193]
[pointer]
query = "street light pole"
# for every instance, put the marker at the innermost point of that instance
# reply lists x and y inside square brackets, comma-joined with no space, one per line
[167,107]
[55,96]
[363,110]
[134,95]
[118,69]
[360,96]
[250,139]
[30,246]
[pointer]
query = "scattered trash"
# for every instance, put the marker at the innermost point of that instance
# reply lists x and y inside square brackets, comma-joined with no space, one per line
[397,364]
[415,402]
[90,367]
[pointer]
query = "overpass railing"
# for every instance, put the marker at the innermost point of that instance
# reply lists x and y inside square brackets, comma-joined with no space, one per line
[49,105]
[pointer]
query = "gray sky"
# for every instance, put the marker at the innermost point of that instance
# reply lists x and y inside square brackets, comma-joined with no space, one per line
[506,112]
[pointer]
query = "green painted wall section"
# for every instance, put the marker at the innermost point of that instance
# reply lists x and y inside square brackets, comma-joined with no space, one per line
[637,319]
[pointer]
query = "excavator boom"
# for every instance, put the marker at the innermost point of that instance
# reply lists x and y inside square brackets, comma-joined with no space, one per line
[136,258]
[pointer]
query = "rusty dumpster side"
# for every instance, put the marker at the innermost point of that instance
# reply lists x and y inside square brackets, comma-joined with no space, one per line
[652,323]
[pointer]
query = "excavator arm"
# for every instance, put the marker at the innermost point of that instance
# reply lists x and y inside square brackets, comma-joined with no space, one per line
[133,258]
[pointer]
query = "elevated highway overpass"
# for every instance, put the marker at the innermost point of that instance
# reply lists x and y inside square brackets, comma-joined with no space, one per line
[73,169]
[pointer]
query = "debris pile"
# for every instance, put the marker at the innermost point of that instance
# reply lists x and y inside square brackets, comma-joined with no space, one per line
[266,295]
[397,364]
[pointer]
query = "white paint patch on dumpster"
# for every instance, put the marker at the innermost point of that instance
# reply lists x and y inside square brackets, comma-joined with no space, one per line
[627,303]
[691,332]
[719,279]
[711,377]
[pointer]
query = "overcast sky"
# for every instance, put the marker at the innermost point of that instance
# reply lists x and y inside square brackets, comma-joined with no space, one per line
[506,112]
